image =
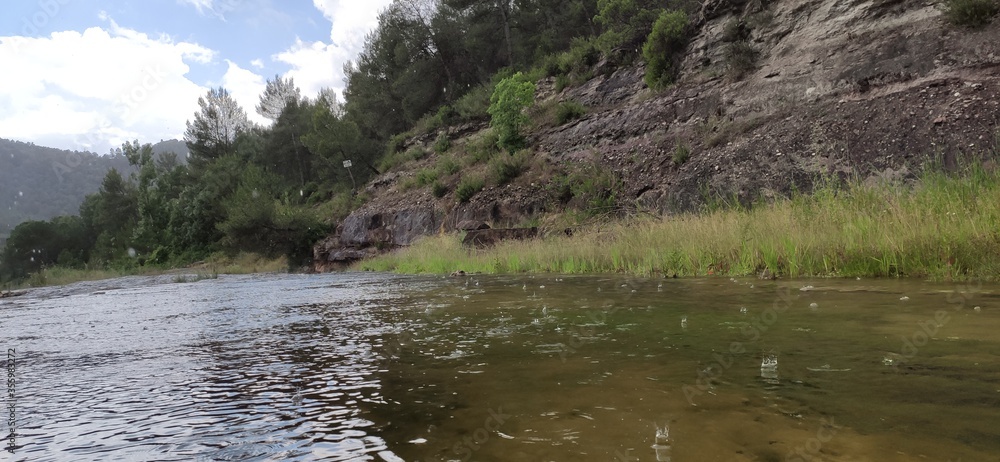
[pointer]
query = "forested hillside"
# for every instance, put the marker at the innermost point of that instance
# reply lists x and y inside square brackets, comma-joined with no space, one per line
[39,183]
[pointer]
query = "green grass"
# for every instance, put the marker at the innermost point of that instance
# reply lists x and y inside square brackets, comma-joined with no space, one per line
[942,228]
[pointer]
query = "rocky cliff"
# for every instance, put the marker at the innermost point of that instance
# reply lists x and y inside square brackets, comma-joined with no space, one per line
[771,97]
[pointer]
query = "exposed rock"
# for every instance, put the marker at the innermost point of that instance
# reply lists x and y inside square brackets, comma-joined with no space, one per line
[472,225]
[490,237]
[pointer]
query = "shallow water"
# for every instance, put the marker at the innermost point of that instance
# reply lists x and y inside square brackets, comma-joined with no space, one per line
[382,367]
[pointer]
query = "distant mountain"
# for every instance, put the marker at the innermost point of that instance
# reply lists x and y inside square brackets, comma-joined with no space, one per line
[175,146]
[40,183]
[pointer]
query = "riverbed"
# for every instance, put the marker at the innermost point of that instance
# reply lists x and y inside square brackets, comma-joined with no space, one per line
[364,366]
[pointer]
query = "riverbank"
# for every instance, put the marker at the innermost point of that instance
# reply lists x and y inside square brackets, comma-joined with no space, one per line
[941,227]
[242,263]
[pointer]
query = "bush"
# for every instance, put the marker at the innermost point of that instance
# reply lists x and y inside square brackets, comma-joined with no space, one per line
[468,187]
[504,169]
[562,81]
[443,143]
[510,98]
[483,147]
[426,176]
[569,110]
[474,105]
[971,13]
[741,59]
[416,153]
[625,23]
[438,189]
[681,154]
[664,47]
[447,166]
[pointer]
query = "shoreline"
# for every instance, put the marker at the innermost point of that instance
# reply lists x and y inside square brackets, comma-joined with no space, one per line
[943,227]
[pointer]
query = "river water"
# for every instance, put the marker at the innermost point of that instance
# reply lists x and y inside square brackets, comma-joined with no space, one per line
[520,368]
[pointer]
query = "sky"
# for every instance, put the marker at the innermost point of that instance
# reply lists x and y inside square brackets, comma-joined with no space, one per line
[93,74]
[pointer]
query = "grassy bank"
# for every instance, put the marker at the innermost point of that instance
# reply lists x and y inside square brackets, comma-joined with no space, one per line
[943,227]
[242,263]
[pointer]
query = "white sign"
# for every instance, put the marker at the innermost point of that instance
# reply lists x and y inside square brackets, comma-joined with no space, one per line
[347,164]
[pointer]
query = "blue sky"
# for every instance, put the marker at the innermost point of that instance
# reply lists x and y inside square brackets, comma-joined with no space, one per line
[91,74]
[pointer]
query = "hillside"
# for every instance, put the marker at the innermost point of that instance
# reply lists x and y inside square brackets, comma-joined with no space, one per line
[770,98]
[39,183]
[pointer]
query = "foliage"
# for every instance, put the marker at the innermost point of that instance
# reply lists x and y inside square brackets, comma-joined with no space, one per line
[664,47]
[741,58]
[626,23]
[442,144]
[507,107]
[569,110]
[468,187]
[215,127]
[438,189]
[971,13]
[681,154]
[504,169]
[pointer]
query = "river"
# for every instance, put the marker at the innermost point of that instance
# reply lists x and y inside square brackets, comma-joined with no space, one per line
[516,368]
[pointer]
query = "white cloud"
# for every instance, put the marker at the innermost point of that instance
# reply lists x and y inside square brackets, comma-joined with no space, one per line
[317,65]
[96,89]
[216,7]
[246,88]
[259,64]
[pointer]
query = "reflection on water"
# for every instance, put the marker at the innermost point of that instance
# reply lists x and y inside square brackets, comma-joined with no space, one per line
[377,367]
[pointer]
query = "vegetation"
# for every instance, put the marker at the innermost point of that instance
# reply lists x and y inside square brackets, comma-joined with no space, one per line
[664,48]
[569,110]
[468,187]
[681,154]
[510,99]
[941,228]
[971,13]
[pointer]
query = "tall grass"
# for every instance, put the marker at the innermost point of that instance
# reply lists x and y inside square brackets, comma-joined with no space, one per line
[943,228]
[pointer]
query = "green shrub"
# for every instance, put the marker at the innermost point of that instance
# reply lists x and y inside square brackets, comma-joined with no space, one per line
[681,154]
[569,110]
[664,47]
[971,13]
[582,55]
[483,147]
[438,189]
[562,81]
[507,107]
[475,104]
[741,59]
[416,153]
[426,176]
[443,143]
[468,187]
[625,23]
[447,166]
[398,142]
[504,169]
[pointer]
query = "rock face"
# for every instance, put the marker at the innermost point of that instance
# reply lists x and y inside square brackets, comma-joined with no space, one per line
[839,89]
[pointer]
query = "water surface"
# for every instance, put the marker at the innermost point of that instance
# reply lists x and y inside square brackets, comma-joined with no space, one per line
[383,367]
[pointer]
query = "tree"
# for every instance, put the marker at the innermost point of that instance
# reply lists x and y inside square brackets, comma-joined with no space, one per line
[215,127]
[664,48]
[278,94]
[507,107]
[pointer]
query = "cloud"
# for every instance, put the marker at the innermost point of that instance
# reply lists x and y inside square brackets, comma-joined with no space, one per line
[259,64]
[215,7]
[97,89]
[246,88]
[318,64]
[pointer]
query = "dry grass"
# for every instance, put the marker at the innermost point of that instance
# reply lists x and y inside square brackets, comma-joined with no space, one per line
[943,228]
